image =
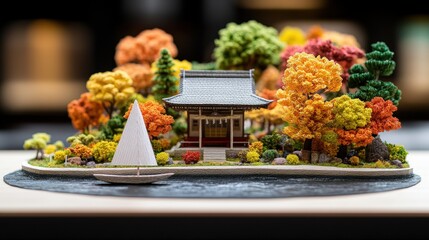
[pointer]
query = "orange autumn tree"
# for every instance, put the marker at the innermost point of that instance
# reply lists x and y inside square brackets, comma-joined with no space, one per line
[157,122]
[306,110]
[145,47]
[141,75]
[271,116]
[85,113]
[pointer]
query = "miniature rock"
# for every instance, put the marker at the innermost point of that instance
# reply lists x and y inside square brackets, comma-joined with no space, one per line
[377,151]
[298,153]
[336,160]
[279,161]
[170,161]
[90,164]
[324,158]
[397,163]
[74,160]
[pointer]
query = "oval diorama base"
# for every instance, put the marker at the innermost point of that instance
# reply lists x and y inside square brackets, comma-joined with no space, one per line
[302,170]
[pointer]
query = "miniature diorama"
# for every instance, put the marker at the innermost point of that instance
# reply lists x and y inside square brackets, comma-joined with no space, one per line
[291,103]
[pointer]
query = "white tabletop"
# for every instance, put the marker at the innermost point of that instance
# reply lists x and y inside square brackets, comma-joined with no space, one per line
[410,202]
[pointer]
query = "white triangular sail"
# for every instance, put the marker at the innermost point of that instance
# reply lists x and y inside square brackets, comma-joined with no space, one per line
[134,148]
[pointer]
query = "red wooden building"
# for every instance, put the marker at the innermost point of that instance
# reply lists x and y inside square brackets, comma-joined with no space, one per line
[215,101]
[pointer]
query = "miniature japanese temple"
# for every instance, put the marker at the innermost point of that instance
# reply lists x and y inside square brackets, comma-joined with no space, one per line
[215,101]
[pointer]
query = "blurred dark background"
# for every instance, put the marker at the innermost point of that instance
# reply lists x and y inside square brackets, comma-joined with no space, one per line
[49,49]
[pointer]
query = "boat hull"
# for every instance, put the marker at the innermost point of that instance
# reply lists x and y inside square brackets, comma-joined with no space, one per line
[132,179]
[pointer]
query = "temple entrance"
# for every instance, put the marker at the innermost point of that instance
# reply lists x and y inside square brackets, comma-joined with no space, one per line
[216,129]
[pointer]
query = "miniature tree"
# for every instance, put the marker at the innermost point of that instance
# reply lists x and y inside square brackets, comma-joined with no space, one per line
[350,113]
[85,113]
[103,151]
[177,66]
[346,56]
[381,120]
[292,36]
[114,126]
[141,75]
[306,112]
[358,76]
[268,79]
[145,48]
[157,122]
[85,139]
[111,89]
[246,46]
[271,114]
[351,121]
[38,142]
[382,116]
[51,148]
[379,63]
[377,88]
[165,83]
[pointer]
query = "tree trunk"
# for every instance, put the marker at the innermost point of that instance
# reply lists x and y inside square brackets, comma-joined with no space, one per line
[306,151]
[342,152]
[269,127]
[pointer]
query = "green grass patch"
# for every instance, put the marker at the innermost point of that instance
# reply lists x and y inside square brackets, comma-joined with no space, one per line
[45,163]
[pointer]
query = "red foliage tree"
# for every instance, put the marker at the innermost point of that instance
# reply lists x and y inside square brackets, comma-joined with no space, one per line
[382,115]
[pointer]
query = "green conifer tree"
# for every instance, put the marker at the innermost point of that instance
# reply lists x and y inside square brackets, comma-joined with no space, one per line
[379,63]
[358,76]
[165,83]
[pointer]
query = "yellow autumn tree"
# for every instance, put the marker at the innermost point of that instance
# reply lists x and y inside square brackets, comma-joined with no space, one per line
[351,121]
[306,110]
[111,89]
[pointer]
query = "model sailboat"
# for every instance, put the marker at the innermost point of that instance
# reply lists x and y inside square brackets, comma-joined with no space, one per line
[134,149]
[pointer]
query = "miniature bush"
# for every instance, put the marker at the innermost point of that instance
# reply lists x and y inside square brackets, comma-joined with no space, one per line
[271,141]
[103,151]
[49,149]
[354,160]
[256,147]
[269,155]
[85,139]
[156,145]
[242,155]
[81,151]
[397,152]
[292,159]
[382,164]
[59,156]
[162,158]
[191,157]
[252,156]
